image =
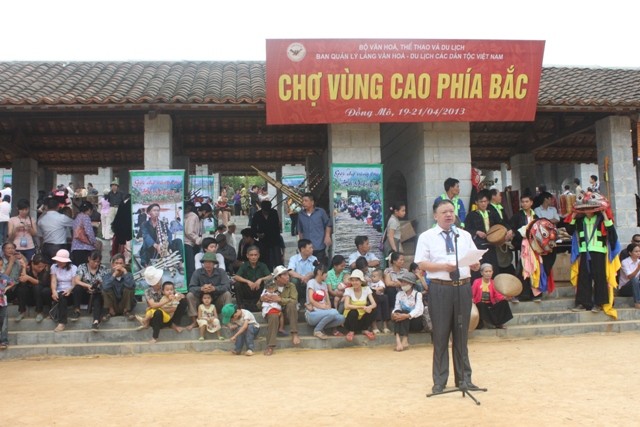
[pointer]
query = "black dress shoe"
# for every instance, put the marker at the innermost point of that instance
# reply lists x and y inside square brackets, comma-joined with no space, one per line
[472,387]
[437,389]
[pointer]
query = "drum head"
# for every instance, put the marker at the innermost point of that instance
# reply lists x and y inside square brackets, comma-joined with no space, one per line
[475,318]
[497,234]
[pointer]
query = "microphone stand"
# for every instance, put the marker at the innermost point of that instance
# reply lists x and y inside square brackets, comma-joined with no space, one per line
[462,386]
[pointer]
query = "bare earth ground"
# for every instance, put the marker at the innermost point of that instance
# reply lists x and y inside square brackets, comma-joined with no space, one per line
[582,380]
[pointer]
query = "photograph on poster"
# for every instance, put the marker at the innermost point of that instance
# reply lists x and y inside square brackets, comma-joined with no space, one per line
[357,203]
[201,190]
[156,200]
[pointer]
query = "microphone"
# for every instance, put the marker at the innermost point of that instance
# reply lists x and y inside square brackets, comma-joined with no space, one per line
[455,230]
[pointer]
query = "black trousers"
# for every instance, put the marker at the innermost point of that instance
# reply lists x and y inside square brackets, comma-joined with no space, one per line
[29,294]
[496,314]
[157,323]
[246,297]
[592,280]
[382,309]
[353,324]
[403,327]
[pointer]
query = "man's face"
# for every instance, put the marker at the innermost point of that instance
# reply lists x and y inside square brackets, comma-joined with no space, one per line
[283,278]
[114,188]
[212,247]
[307,202]
[482,204]
[444,216]
[364,247]
[117,263]
[497,198]
[455,190]
[526,203]
[307,251]
[208,266]
[253,256]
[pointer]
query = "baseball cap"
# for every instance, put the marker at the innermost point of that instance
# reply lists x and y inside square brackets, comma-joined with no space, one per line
[227,312]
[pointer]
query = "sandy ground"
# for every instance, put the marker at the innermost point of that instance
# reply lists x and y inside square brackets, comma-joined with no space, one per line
[583,380]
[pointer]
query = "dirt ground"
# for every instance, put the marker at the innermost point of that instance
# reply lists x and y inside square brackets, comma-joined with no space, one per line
[583,380]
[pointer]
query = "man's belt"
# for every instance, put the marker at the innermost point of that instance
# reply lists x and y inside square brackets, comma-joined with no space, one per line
[451,282]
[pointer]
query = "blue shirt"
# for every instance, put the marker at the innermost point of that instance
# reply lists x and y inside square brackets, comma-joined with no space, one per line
[302,266]
[313,226]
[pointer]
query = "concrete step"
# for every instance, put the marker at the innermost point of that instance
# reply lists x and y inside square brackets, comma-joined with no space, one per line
[81,333]
[527,331]
[557,304]
[168,346]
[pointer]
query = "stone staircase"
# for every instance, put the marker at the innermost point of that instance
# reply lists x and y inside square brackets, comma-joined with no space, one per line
[28,339]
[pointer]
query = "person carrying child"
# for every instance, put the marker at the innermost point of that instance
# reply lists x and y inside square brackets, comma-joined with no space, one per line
[208,317]
[160,314]
[272,313]
[337,280]
[245,326]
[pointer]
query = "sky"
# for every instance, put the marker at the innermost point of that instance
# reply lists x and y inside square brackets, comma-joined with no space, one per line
[577,33]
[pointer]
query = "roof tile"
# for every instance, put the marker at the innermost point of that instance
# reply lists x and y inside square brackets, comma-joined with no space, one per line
[86,83]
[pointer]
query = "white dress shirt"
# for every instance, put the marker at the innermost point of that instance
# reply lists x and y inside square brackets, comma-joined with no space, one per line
[432,247]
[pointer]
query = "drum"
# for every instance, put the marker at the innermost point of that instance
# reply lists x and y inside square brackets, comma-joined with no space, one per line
[508,285]
[475,318]
[497,234]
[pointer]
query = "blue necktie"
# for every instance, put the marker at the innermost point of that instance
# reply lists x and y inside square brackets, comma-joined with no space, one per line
[454,275]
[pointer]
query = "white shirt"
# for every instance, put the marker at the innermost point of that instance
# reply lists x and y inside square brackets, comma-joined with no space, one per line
[198,262]
[432,247]
[370,256]
[549,213]
[628,266]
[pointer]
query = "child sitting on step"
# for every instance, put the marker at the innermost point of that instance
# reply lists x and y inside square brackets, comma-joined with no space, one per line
[208,318]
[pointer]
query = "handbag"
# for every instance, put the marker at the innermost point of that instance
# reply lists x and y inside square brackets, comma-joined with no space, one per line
[81,235]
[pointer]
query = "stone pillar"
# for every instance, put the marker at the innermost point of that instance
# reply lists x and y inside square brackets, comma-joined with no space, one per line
[158,142]
[354,143]
[613,141]
[424,155]
[202,170]
[46,179]
[124,180]
[523,172]
[24,184]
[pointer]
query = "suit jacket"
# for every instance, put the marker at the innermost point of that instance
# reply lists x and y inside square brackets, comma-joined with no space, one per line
[475,222]
[518,220]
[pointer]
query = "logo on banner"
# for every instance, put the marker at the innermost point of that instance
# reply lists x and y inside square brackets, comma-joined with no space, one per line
[296,52]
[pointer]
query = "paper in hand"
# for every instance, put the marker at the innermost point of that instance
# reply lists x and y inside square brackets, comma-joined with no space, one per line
[471,257]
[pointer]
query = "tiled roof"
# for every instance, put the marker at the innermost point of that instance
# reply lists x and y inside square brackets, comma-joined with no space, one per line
[100,83]
[589,87]
[86,83]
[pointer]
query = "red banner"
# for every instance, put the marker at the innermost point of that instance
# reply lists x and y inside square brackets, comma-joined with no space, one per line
[348,81]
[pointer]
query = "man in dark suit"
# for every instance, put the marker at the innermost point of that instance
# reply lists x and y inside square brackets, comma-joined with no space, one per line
[478,223]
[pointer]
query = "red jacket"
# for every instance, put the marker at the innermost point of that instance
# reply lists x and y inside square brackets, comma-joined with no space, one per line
[476,292]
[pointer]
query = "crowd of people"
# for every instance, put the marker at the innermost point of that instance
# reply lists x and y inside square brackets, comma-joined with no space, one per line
[351,294]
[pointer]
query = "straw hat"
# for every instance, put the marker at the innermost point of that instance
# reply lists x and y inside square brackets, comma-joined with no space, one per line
[152,275]
[508,285]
